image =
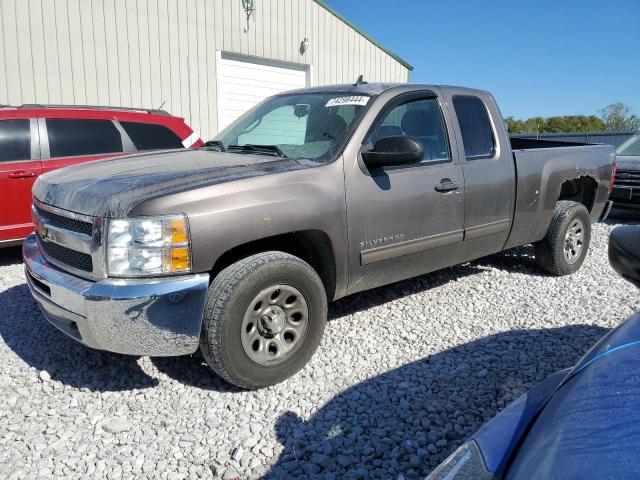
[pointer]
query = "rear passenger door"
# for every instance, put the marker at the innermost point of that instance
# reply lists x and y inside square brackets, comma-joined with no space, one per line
[489,173]
[69,141]
[19,167]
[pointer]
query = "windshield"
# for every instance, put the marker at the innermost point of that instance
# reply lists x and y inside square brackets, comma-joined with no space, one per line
[630,148]
[313,126]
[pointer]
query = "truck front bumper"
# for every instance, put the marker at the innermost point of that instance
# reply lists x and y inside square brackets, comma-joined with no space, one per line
[149,316]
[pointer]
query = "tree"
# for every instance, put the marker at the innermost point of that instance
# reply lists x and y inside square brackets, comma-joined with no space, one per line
[564,124]
[619,117]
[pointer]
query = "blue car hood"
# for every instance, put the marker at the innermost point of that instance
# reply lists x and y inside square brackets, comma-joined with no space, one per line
[582,422]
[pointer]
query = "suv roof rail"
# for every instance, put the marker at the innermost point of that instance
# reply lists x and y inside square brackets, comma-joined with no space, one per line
[92,107]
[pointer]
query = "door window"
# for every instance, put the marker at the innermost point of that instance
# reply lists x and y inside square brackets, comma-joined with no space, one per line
[150,136]
[475,126]
[421,120]
[71,137]
[15,140]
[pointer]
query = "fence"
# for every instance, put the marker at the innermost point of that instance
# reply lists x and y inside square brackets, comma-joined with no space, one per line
[608,138]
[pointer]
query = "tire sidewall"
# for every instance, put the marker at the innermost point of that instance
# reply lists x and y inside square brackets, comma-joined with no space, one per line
[283,272]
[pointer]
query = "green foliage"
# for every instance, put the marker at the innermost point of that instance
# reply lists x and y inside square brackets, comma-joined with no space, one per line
[615,117]
[568,123]
[618,117]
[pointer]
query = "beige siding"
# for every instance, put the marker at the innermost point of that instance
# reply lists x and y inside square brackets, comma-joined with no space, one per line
[141,53]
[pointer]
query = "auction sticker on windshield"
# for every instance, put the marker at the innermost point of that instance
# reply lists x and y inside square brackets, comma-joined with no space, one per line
[353,100]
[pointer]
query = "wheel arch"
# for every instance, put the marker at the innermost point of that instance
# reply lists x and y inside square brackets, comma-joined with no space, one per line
[582,190]
[312,246]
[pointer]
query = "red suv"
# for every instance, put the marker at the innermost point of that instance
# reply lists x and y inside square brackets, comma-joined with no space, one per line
[36,139]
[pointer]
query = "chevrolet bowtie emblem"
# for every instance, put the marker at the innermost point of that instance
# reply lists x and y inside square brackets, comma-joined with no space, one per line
[43,231]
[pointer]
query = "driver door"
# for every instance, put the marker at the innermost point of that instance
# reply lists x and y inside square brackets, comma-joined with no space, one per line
[405,220]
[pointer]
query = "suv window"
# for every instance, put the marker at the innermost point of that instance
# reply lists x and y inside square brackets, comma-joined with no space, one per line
[149,136]
[477,134]
[70,137]
[421,120]
[15,140]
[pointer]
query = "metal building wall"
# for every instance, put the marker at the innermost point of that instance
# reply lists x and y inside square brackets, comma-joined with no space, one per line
[142,53]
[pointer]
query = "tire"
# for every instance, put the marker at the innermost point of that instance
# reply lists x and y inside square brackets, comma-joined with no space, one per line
[232,311]
[550,252]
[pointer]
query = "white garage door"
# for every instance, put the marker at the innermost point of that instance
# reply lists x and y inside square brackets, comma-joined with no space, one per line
[242,83]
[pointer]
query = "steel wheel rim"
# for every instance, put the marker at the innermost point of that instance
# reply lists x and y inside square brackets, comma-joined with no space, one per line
[275,325]
[574,241]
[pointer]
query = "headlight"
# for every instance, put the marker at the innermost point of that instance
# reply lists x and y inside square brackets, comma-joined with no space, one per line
[464,463]
[139,247]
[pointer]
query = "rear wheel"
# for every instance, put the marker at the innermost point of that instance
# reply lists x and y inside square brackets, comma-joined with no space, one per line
[264,319]
[564,247]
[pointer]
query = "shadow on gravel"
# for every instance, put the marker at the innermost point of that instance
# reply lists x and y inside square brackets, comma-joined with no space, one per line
[408,420]
[193,370]
[25,331]
[516,260]
[378,296]
[10,256]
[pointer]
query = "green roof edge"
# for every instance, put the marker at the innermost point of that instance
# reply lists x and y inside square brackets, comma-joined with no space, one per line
[324,5]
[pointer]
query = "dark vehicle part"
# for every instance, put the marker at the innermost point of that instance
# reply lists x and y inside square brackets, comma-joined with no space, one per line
[624,253]
[565,245]
[263,320]
[391,151]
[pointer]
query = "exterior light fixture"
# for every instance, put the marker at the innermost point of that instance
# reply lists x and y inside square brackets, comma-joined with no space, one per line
[304,46]
[249,7]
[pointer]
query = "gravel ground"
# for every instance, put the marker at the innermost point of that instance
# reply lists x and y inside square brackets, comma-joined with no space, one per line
[404,374]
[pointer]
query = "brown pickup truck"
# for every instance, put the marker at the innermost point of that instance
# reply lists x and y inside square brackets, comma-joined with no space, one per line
[235,248]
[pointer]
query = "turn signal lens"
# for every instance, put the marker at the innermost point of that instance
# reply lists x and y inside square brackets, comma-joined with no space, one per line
[179,231]
[180,260]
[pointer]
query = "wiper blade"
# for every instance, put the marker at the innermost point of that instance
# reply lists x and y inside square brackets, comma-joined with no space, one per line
[215,145]
[260,149]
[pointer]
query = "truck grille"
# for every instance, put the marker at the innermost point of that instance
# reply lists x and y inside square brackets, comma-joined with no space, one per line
[78,260]
[70,241]
[65,222]
[628,178]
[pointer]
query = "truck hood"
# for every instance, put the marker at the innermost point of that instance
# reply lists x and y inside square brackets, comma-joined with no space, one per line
[112,187]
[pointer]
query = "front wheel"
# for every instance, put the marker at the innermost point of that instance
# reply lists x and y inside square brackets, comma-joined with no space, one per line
[564,247]
[264,318]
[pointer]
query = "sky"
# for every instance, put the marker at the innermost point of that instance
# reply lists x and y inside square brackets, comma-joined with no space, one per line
[538,58]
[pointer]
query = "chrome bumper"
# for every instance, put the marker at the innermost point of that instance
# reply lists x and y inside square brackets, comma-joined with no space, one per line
[151,316]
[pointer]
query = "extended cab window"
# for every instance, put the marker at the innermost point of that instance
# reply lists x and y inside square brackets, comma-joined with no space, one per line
[15,140]
[70,137]
[421,120]
[149,136]
[475,126]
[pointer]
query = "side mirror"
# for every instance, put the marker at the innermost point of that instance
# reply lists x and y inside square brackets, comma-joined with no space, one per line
[393,151]
[624,253]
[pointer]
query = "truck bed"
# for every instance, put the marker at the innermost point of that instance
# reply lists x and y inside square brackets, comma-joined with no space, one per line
[542,167]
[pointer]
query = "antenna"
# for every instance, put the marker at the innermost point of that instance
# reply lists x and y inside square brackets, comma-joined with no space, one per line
[360,81]
[162,104]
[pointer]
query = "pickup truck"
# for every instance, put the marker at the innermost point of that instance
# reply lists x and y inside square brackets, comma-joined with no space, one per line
[236,247]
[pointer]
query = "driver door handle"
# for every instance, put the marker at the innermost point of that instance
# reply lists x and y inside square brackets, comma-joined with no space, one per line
[446,185]
[21,174]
